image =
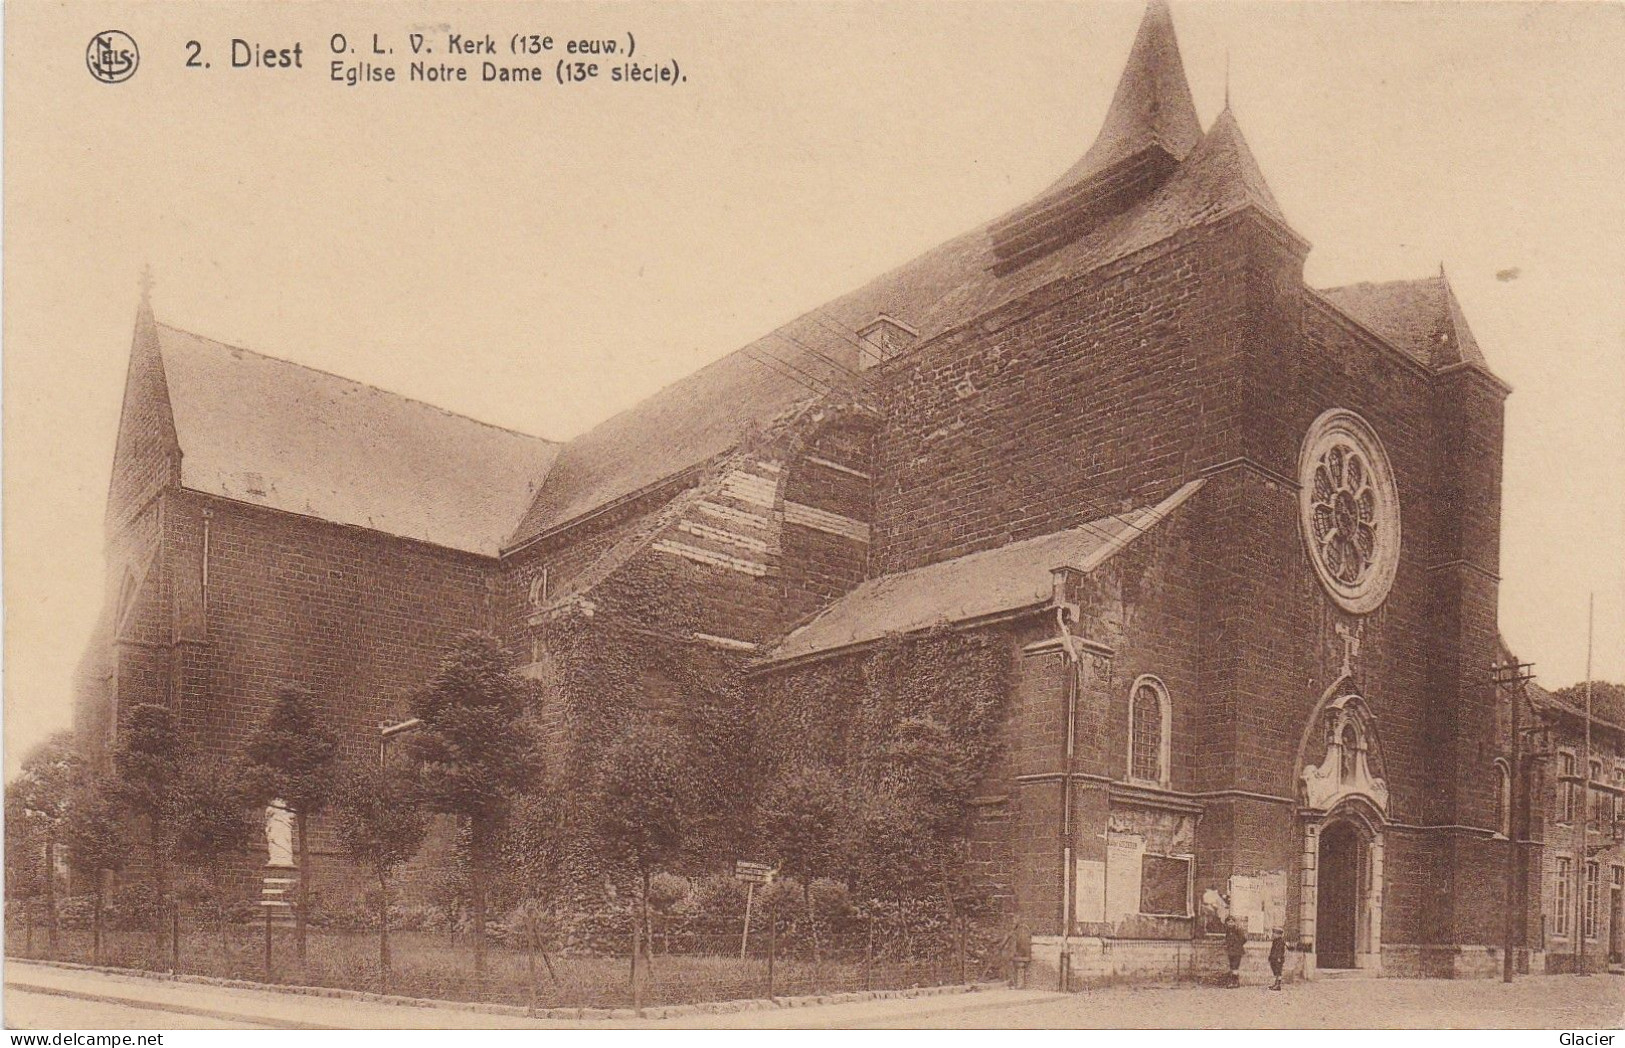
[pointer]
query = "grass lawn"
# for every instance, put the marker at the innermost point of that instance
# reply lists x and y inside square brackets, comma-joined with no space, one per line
[432,964]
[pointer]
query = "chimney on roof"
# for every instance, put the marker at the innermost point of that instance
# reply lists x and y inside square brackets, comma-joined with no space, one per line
[883,338]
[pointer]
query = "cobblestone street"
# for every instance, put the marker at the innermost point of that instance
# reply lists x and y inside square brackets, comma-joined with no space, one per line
[1538,1002]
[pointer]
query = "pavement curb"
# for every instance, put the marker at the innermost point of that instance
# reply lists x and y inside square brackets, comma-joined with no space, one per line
[656,1011]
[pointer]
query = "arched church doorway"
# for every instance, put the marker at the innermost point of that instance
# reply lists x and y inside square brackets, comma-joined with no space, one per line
[1345,810]
[1337,904]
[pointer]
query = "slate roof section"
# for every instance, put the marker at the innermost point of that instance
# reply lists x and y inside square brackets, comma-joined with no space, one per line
[1232,174]
[708,412]
[1606,709]
[277,434]
[1152,105]
[1419,317]
[977,585]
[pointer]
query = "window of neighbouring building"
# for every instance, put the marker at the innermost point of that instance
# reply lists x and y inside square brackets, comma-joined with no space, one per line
[1165,883]
[1571,797]
[538,588]
[1596,800]
[1503,797]
[1564,902]
[1148,732]
[1593,876]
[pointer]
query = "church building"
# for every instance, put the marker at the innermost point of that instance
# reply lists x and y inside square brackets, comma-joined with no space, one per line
[1223,547]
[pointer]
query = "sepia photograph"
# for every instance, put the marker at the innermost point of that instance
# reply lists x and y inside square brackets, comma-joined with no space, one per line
[1084,515]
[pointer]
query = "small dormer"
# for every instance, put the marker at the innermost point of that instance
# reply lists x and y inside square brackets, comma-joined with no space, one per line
[883,338]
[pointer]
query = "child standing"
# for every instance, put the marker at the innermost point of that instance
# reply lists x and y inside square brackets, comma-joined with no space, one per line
[1235,947]
[1278,956]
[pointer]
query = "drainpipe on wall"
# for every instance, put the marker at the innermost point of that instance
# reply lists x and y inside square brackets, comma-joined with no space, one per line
[1063,609]
[203,582]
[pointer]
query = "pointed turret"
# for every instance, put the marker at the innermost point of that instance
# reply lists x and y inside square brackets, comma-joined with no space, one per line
[1152,107]
[1150,127]
[1224,173]
[1458,346]
[146,454]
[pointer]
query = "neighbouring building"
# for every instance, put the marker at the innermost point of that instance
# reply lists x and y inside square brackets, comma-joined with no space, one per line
[1223,547]
[1566,807]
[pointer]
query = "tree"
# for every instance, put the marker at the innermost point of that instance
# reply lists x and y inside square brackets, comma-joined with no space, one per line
[931,778]
[39,799]
[803,817]
[149,761]
[475,752]
[1606,697]
[640,803]
[25,870]
[380,827]
[93,829]
[210,812]
[912,818]
[291,758]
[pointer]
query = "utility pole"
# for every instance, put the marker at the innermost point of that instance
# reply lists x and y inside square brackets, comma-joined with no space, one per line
[1513,674]
[1582,865]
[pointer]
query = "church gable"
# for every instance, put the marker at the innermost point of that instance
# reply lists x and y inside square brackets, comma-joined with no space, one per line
[146,456]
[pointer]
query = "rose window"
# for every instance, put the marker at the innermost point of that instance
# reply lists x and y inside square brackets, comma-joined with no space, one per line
[1345,513]
[1350,510]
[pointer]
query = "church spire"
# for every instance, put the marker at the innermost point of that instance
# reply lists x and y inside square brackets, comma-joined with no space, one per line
[145,282]
[1152,106]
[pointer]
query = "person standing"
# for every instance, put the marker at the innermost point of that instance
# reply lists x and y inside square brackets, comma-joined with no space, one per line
[1278,956]
[1235,947]
[1021,955]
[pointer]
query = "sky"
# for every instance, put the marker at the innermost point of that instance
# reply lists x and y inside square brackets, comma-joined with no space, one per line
[541,257]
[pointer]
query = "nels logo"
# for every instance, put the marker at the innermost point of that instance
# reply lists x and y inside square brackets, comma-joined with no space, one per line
[112,56]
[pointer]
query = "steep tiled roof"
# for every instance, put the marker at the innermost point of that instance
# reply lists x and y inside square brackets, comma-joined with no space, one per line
[1606,706]
[1420,317]
[705,414]
[273,433]
[974,586]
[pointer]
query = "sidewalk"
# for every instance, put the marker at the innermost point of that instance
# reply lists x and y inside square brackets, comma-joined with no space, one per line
[170,1004]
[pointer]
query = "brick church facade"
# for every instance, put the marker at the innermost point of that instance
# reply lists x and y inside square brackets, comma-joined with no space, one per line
[1233,540]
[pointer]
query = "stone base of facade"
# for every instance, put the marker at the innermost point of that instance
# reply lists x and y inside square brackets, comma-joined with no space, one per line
[1094,960]
[1411,961]
[1561,962]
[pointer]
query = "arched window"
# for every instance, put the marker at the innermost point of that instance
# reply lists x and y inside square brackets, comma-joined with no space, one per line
[1148,732]
[1503,797]
[126,599]
[538,588]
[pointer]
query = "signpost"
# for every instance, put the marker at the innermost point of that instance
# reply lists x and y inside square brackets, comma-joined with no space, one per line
[752,873]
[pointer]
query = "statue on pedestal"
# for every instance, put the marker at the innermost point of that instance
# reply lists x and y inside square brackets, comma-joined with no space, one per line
[279,834]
